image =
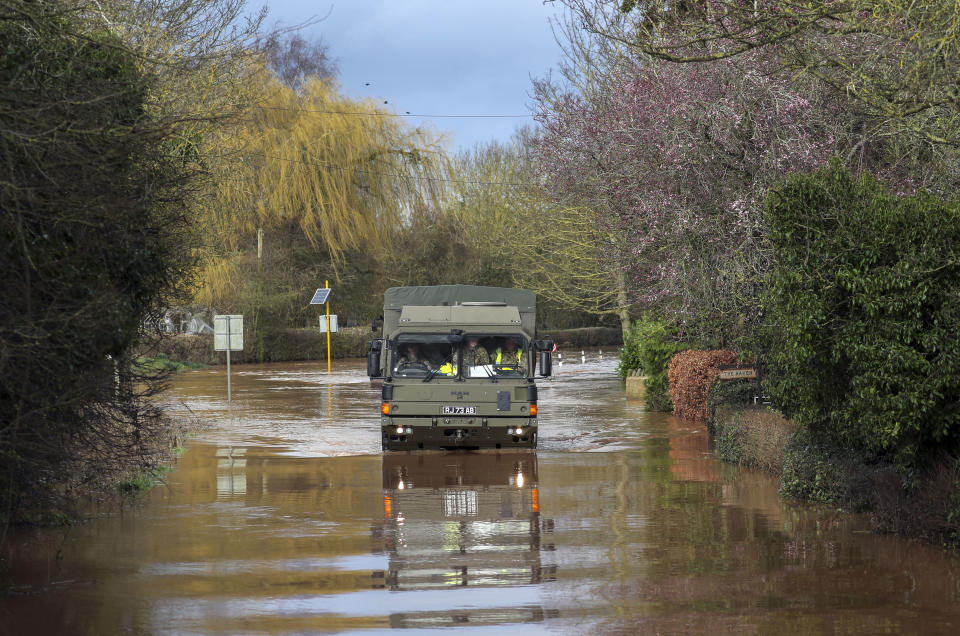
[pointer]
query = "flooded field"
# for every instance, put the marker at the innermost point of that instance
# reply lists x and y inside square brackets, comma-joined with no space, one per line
[283,516]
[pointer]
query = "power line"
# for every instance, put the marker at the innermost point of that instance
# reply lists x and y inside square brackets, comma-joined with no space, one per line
[385,114]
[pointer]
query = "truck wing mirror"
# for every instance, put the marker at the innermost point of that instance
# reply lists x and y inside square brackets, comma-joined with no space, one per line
[546,363]
[373,358]
[544,345]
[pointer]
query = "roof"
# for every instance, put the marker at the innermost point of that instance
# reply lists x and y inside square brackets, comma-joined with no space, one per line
[459,315]
[396,298]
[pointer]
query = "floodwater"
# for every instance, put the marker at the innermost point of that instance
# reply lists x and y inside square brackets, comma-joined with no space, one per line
[283,516]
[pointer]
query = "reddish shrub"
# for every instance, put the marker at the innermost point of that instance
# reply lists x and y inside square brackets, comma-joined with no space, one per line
[691,373]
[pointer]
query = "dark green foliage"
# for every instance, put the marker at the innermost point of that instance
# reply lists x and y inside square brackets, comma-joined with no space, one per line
[862,315]
[648,349]
[817,470]
[161,363]
[810,473]
[605,338]
[731,393]
[91,236]
[435,251]
[728,440]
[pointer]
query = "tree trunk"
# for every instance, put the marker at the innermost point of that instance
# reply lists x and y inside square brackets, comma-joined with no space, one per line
[623,304]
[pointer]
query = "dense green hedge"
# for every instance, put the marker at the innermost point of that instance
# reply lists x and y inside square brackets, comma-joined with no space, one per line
[584,337]
[649,347]
[94,235]
[309,344]
[283,346]
[735,393]
[861,314]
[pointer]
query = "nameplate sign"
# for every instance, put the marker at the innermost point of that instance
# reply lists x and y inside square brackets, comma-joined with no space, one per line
[737,373]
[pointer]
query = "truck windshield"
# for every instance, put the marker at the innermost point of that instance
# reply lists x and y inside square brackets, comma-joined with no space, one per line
[417,355]
[488,356]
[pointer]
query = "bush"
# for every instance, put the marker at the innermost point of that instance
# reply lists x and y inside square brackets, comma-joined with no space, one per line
[925,506]
[585,337]
[752,435]
[728,439]
[733,393]
[691,373]
[816,470]
[649,347]
[861,315]
[283,345]
[94,235]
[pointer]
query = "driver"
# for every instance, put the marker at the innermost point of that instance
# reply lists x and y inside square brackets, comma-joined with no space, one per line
[412,355]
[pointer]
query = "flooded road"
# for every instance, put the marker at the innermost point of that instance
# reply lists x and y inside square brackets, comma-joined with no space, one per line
[283,516]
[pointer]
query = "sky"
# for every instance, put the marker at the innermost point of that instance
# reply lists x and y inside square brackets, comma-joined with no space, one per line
[436,58]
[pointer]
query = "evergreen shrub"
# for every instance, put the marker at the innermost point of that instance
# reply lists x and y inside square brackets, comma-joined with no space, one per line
[817,470]
[649,347]
[861,315]
[95,236]
[734,393]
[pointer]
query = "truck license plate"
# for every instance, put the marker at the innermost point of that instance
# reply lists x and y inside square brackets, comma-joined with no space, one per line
[459,410]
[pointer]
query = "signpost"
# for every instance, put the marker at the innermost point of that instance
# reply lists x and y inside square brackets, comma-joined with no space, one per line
[228,336]
[737,372]
[333,326]
[322,297]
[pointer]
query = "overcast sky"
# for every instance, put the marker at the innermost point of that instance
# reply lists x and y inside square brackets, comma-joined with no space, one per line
[437,57]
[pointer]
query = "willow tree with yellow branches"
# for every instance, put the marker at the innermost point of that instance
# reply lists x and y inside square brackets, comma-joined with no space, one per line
[900,59]
[324,180]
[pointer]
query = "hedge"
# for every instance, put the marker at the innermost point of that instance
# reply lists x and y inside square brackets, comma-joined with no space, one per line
[862,312]
[648,349]
[691,373]
[282,346]
[350,342]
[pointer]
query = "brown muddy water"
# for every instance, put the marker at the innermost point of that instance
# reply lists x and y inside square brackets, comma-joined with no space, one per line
[283,516]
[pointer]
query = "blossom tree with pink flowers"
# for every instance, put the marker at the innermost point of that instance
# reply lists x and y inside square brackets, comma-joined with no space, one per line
[676,160]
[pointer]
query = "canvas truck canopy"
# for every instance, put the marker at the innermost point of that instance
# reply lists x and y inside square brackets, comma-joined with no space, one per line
[460,316]
[468,298]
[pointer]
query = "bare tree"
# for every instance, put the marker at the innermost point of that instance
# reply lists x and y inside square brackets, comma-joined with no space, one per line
[899,59]
[293,59]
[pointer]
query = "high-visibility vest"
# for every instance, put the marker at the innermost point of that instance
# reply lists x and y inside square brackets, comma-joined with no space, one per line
[448,369]
[500,355]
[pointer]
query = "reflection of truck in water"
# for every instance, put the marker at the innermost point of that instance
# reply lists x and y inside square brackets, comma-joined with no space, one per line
[458,364]
[458,520]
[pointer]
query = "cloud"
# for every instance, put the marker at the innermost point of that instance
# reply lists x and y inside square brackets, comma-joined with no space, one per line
[432,57]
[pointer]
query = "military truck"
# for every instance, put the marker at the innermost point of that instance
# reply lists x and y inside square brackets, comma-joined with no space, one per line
[457,364]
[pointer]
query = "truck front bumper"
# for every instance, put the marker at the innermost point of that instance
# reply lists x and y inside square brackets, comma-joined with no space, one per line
[419,433]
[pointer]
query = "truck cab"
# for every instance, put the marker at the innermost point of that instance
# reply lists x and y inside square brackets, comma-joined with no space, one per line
[458,366]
